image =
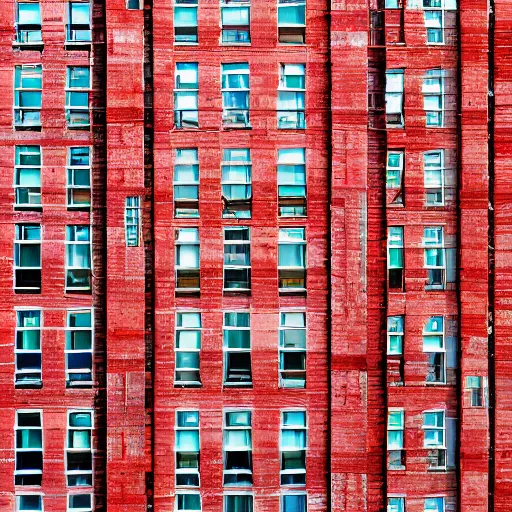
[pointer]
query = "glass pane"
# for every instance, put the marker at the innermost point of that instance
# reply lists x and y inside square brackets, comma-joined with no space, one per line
[294,418]
[78,77]
[236,319]
[238,419]
[29,13]
[187,360]
[237,339]
[80,419]
[80,14]
[187,440]
[185,16]
[189,319]
[30,502]
[188,419]
[188,339]
[291,15]
[294,503]
[291,255]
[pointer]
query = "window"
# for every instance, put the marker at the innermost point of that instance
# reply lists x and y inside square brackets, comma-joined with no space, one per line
[78,29]
[79,449]
[395,335]
[80,503]
[439,20]
[79,177]
[187,448]
[238,503]
[293,447]
[28,85]
[237,349]
[434,347]
[292,260]
[185,21]
[132,221]
[236,183]
[294,503]
[190,502]
[78,258]
[433,97]
[236,21]
[28,348]
[237,448]
[187,260]
[235,95]
[474,384]
[186,114]
[28,23]
[291,181]
[393,4]
[394,177]
[134,4]
[434,505]
[395,98]
[186,183]
[188,347]
[396,504]
[237,259]
[77,97]
[27,258]
[396,257]
[29,503]
[435,438]
[395,439]
[434,258]
[433,166]
[27,177]
[292,349]
[291,21]
[79,348]
[291,97]
[29,448]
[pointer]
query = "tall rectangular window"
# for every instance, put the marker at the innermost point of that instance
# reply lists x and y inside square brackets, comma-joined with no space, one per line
[185,21]
[236,183]
[237,349]
[29,503]
[79,347]
[236,21]
[186,183]
[238,503]
[396,504]
[237,449]
[187,349]
[439,20]
[187,448]
[434,431]
[291,97]
[291,21]
[434,257]
[27,177]
[78,84]
[395,335]
[235,95]
[28,348]
[79,503]
[433,167]
[187,260]
[78,173]
[474,384]
[292,260]
[291,182]
[27,258]
[28,94]
[434,505]
[434,347]
[296,502]
[395,98]
[28,23]
[396,257]
[186,91]
[188,502]
[79,448]
[293,447]
[292,349]
[433,97]
[237,258]
[132,225]
[394,177]
[78,29]
[29,448]
[396,439]
[78,258]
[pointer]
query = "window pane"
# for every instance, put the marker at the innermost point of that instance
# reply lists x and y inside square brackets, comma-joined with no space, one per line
[29,13]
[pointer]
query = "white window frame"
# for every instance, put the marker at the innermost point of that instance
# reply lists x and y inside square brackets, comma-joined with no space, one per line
[190,157]
[21,329]
[235,266]
[305,429]
[226,428]
[229,350]
[235,4]
[191,121]
[182,492]
[444,5]
[187,471]
[18,168]
[300,113]
[70,172]
[178,350]
[190,5]
[434,91]
[443,504]
[291,493]
[283,241]
[74,267]
[442,429]
[438,169]
[68,450]
[237,493]
[442,349]
[291,157]
[23,37]
[19,472]
[227,110]
[395,334]
[70,39]
[69,107]
[18,243]
[247,182]
[285,382]
[132,221]
[395,90]
[21,495]
[19,111]
[80,509]
[437,242]
[396,428]
[391,169]
[178,264]
[67,351]
[474,383]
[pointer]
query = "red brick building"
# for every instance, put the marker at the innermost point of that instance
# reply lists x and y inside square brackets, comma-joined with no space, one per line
[254,256]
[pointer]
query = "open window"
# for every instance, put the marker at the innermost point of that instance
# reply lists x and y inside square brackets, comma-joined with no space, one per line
[236,21]
[237,349]
[27,258]
[291,21]
[237,450]
[28,448]
[79,448]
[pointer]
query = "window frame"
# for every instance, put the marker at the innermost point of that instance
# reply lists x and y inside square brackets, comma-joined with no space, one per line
[285,382]
[193,121]
[68,267]
[26,71]
[190,4]
[26,472]
[300,28]
[442,447]
[304,449]
[284,269]
[69,108]
[182,160]
[438,244]
[71,187]
[241,208]
[21,495]
[285,159]
[243,121]
[300,121]
[240,27]
[69,428]
[241,269]
[227,351]
[68,330]
[226,428]
[392,93]
[292,493]
[240,493]
[79,509]
[426,334]
[70,40]
[182,492]
[21,329]
[177,350]
[18,153]
[22,242]
[397,334]
[187,471]
[132,221]
[431,168]
[427,92]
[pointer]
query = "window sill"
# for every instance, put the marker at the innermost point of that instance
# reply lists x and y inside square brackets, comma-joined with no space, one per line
[187,291]
[27,290]
[80,208]
[28,207]
[37,46]
[237,384]
[234,44]
[28,127]
[29,385]
[179,384]
[79,384]
[292,291]
[229,128]
[185,44]
[71,45]
[85,127]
